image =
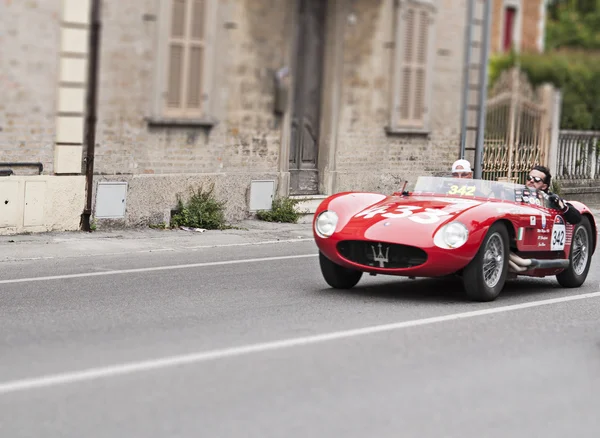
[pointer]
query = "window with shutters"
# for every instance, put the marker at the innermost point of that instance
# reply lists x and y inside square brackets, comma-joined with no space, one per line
[185,59]
[413,59]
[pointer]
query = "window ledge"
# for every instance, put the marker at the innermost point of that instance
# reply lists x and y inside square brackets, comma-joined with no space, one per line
[407,131]
[165,122]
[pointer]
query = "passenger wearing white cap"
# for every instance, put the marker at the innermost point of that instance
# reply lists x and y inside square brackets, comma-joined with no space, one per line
[462,169]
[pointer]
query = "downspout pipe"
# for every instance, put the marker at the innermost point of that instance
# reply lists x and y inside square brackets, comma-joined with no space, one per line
[466,79]
[91,111]
[483,83]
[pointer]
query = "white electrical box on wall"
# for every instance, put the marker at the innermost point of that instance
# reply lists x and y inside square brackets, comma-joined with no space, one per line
[261,195]
[111,200]
[10,204]
[35,198]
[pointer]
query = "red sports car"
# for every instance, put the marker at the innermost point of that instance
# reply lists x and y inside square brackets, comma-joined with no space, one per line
[484,231]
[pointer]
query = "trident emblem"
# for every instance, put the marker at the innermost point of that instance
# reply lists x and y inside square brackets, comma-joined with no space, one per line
[382,259]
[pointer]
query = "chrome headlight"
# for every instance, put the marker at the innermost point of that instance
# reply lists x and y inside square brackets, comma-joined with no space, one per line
[451,236]
[326,223]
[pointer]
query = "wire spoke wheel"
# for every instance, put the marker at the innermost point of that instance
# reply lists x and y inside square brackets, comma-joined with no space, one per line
[580,251]
[580,255]
[493,260]
[485,276]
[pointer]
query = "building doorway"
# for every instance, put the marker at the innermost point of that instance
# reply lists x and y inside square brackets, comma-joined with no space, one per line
[306,110]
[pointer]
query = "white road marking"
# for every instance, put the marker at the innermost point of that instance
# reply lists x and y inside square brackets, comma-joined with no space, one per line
[173,361]
[156,268]
[100,254]
[264,242]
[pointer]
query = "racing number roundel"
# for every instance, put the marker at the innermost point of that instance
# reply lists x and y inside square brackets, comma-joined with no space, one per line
[559,234]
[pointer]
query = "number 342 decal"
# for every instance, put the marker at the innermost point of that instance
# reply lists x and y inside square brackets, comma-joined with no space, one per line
[559,233]
[463,190]
[416,214]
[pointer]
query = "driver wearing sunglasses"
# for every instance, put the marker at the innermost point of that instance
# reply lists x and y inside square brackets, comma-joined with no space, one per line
[539,178]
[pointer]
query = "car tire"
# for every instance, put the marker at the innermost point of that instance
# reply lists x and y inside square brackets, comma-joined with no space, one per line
[337,276]
[579,266]
[494,249]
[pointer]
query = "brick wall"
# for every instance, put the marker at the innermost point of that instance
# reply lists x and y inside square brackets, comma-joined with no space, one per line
[248,135]
[368,158]
[29,41]
[253,42]
[246,139]
[246,142]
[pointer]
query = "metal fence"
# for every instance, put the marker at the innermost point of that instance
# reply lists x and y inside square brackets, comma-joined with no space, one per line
[518,127]
[578,155]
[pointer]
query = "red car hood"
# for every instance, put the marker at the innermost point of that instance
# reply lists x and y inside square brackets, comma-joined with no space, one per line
[410,220]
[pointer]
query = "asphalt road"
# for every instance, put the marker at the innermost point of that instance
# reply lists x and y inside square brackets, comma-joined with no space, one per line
[250,342]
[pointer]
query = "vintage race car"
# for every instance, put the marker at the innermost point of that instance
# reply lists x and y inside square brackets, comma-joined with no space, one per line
[483,231]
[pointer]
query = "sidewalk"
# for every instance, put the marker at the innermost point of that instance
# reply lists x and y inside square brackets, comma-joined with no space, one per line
[81,244]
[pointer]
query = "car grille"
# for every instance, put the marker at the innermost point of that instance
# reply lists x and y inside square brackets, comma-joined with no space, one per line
[381,254]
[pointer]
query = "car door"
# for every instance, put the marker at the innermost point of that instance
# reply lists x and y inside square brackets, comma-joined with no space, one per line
[534,232]
[552,232]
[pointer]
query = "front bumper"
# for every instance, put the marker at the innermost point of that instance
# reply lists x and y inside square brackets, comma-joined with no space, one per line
[390,258]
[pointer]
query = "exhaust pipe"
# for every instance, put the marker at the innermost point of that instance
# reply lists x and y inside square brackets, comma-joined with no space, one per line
[520,261]
[516,268]
[527,264]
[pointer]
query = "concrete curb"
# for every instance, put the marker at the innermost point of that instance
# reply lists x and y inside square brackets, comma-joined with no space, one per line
[246,227]
[82,244]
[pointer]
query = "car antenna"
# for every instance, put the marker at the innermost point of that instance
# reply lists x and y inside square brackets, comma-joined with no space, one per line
[404,187]
[402,192]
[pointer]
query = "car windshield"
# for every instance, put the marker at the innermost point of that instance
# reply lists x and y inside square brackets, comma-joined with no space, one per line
[478,188]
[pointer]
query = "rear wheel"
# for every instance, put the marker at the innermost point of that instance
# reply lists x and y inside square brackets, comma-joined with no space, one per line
[485,276]
[580,256]
[337,276]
